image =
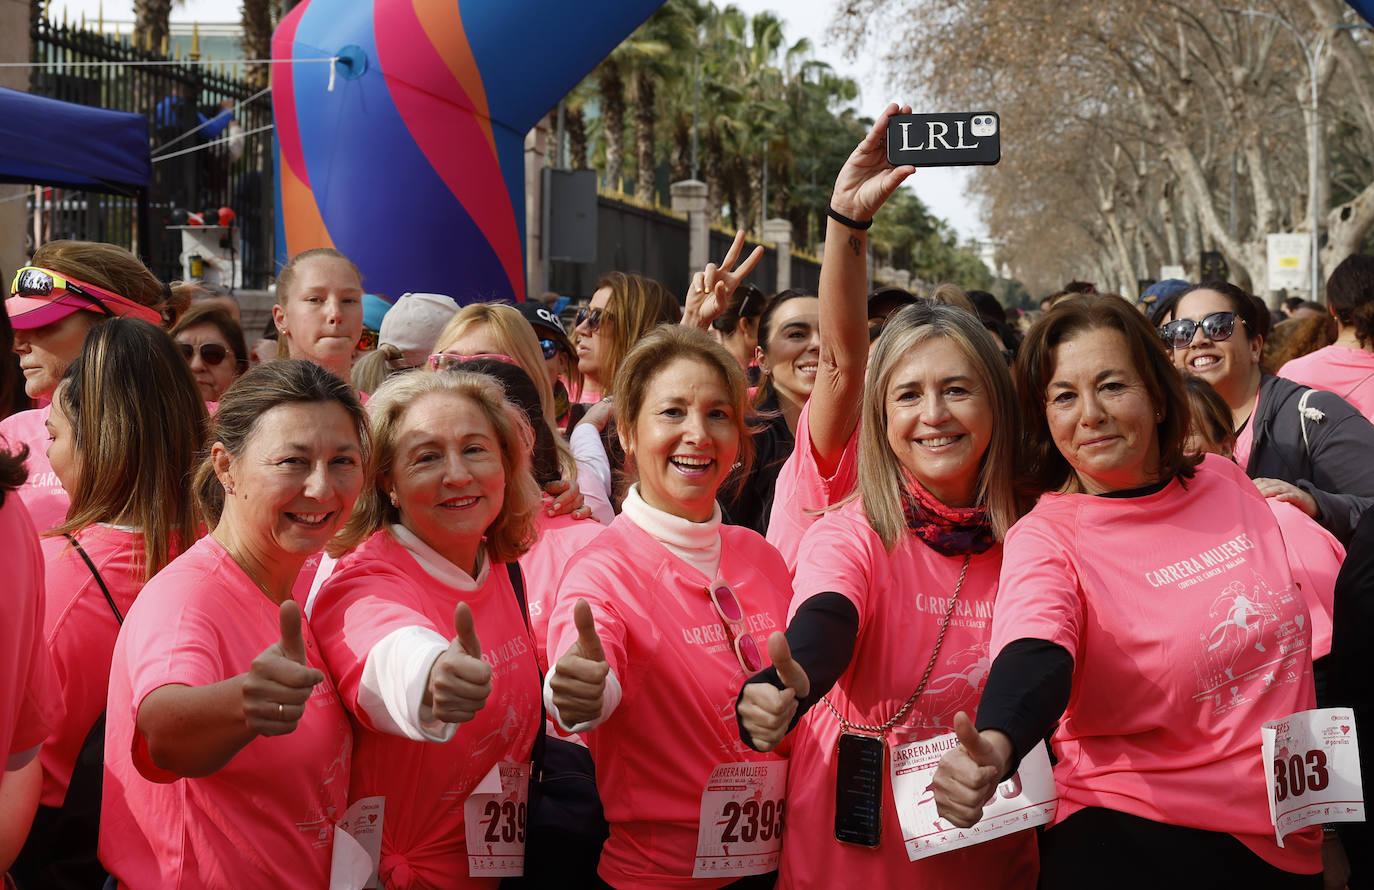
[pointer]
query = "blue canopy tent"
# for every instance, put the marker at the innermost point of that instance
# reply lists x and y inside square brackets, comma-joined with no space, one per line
[50,142]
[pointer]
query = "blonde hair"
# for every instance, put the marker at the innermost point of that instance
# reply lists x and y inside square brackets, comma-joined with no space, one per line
[372,370]
[136,444]
[660,348]
[947,293]
[636,306]
[515,530]
[287,277]
[513,336]
[881,474]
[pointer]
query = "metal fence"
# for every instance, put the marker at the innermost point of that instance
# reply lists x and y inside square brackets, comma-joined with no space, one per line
[176,98]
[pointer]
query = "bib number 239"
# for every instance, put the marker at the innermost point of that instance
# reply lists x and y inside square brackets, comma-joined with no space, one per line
[494,822]
[742,813]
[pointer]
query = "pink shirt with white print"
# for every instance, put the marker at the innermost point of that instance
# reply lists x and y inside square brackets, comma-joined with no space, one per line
[680,678]
[901,599]
[266,818]
[1187,633]
[47,501]
[802,490]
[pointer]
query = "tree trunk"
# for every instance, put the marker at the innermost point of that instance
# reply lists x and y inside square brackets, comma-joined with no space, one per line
[613,122]
[150,22]
[575,120]
[644,136]
[257,39]
[1347,226]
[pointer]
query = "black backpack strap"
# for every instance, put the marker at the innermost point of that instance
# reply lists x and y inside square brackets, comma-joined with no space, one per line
[517,580]
[119,617]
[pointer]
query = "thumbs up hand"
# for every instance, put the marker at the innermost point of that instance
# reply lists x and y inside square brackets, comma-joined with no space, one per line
[578,682]
[967,776]
[459,680]
[279,681]
[764,711]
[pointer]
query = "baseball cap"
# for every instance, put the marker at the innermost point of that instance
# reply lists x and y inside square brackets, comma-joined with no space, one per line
[546,323]
[413,324]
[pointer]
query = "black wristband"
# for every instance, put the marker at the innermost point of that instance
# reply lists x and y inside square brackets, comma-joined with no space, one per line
[846,221]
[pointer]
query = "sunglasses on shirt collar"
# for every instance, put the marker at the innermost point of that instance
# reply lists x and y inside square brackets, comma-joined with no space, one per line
[731,614]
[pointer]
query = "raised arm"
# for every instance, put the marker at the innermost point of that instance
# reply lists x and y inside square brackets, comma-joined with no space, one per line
[863,186]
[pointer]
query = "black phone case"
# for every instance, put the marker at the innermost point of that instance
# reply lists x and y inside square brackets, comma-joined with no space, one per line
[859,789]
[962,139]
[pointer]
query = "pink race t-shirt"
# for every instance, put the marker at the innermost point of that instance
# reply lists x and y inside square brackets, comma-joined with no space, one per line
[560,539]
[901,599]
[43,495]
[802,491]
[1187,633]
[375,590]
[31,703]
[680,678]
[80,630]
[1315,556]
[1347,372]
[266,819]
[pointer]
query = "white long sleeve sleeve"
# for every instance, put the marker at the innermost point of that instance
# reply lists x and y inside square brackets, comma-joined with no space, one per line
[610,700]
[392,689]
[593,471]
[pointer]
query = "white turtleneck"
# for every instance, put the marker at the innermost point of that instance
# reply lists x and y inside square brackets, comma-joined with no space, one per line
[695,543]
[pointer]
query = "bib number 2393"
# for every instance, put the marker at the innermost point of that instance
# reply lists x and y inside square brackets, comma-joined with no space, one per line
[494,822]
[1312,762]
[742,812]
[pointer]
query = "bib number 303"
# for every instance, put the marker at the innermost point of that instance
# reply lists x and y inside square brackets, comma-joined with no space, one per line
[1312,764]
[743,809]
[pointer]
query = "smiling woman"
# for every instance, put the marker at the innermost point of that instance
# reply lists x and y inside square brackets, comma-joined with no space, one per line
[452,507]
[655,624]
[1158,680]
[224,736]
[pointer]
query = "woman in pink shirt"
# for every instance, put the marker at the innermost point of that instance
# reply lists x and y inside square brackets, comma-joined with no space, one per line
[1346,367]
[1147,609]
[891,617]
[70,287]
[426,637]
[121,529]
[226,750]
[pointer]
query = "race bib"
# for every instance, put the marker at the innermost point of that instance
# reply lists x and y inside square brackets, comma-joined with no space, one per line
[1026,799]
[740,832]
[494,819]
[358,845]
[1312,762]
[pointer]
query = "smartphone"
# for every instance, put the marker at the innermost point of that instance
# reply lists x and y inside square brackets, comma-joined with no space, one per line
[859,789]
[961,139]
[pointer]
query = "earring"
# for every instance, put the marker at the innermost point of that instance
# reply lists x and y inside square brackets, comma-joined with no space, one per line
[229,489]
[395,502]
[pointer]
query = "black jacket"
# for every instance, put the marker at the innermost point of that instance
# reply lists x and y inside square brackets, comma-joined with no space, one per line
[1336,463]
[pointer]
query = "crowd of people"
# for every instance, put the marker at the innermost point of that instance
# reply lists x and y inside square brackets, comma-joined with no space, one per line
[656,602]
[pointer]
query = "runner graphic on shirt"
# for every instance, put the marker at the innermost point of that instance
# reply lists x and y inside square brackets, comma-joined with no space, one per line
[1243,654]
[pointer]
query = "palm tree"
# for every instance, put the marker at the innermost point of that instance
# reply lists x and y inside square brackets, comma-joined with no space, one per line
[258,21]
[150,22]
[665,41]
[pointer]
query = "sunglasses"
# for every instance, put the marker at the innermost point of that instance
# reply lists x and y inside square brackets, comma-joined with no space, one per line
[32,281]
[443,361]
[368,341]
[549,348]
[592,318]
[732,616]
[210,353]
[1218,326]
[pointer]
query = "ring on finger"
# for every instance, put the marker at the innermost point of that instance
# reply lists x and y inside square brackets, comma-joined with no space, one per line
[281,711]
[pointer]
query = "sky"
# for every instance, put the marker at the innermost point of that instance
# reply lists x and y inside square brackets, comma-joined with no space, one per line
[942,189]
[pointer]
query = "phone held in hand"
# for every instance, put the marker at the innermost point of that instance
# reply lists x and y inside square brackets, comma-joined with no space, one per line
[859,789]
[961,139]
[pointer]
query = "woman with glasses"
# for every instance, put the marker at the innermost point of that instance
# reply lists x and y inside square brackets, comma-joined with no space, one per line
[658,622]
[1147,618]
[624,308]
[213,343]
[70,287]
[1304,446]
[892,608]
[122,528]
[424,632]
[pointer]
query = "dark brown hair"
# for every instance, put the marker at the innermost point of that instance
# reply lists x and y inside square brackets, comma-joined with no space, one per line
[1043,468]
[1350,293]
[215,314]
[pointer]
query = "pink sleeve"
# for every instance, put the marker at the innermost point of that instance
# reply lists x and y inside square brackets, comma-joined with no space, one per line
[836,557]
[357,607]
[595,580]
[1315,557]
[837,484]
[1039,596]
[40,710]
